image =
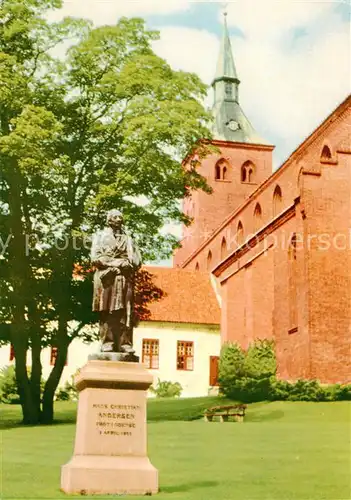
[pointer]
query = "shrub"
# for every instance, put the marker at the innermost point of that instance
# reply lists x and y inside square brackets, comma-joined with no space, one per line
[68,392]
[245,376]
[342,392]
[8,386]
[260,361]
[231,366]
[167,389]
[251,376]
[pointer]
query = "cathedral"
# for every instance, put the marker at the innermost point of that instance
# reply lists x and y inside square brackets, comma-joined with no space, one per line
[276,245]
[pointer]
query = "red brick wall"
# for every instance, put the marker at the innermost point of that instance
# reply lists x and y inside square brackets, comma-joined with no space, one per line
[248,298]
[328,213]
[209,211]
[256,286]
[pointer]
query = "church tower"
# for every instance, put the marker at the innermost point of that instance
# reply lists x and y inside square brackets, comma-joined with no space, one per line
[244,160]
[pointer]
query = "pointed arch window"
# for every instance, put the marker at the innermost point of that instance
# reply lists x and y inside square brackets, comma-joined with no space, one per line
[240,234]
[326,154]
[197,267]
[277,201]
[222,170]
[292,284]
[209,260]
[248,170]
[223,248]
[257,217]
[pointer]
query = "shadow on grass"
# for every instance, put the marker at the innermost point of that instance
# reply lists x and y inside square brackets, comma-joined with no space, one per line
[9,421]
[181,488]
[264,417]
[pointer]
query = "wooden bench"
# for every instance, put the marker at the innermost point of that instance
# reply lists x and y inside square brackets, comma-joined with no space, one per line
[224,412]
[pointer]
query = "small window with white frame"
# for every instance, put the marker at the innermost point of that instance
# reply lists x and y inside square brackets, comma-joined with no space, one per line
[151,353]
[185,355]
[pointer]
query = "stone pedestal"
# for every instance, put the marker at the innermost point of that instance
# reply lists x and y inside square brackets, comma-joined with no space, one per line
[110,454]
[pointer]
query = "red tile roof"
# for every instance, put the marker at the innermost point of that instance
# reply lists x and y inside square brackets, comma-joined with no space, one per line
[190,297]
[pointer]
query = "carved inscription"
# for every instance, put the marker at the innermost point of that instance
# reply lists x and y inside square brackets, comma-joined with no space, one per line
[116,419]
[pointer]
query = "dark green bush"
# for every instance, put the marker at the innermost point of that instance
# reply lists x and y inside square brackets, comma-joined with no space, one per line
[231,366]
[250,376]
[245,376]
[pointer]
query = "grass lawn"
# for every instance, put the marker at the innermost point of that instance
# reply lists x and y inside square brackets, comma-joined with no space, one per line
[283,451]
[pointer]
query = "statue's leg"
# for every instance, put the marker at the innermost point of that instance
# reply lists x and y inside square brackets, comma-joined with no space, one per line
[126,336]
[106,333]
[126,339]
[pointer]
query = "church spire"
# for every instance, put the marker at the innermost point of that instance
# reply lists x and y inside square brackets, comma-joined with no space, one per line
[231,124]
[226,66]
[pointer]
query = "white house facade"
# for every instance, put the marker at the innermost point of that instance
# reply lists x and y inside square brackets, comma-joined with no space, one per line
[180,343]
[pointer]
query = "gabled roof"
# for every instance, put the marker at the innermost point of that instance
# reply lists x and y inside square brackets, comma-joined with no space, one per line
[190,297]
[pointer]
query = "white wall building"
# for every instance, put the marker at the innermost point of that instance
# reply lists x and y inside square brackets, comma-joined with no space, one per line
[180,342]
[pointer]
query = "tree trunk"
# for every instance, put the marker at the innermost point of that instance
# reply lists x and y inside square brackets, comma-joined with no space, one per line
[47,414]
[31,415]
[36,372]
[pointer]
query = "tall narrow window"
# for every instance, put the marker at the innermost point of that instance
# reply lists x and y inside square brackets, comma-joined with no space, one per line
[151,353]
[243,174]
[53,356]
[240,234]
[197,267]
[185,355]
[223,248]
[224,173]
[277,201]
[209,260]
[257,217]
[292,276]
[218,173]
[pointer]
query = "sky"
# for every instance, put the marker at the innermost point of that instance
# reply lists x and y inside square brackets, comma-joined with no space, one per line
[293,57]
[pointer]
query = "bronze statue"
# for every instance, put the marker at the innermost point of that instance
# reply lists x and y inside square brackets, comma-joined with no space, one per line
[116,259]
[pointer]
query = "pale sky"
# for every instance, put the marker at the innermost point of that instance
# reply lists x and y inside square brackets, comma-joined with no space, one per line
[293,57]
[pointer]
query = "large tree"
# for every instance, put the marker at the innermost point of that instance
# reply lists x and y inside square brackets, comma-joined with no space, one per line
[104,126]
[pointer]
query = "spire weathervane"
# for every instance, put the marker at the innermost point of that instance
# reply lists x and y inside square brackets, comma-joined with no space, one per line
[225,9]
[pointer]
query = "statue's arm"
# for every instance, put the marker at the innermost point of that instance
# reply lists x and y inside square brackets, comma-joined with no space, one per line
[99,259]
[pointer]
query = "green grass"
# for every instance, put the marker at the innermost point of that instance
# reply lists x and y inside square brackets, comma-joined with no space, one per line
[283,451]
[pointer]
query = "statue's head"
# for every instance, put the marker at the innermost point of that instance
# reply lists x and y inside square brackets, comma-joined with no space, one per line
[114,219]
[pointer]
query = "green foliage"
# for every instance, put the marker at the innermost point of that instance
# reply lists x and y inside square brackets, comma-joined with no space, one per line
[105,126]
[167,389]
[260,360]
[9,393]
[250,376]
[231,365]
[8,386]
[67,393]
[245,375]
[308,390]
